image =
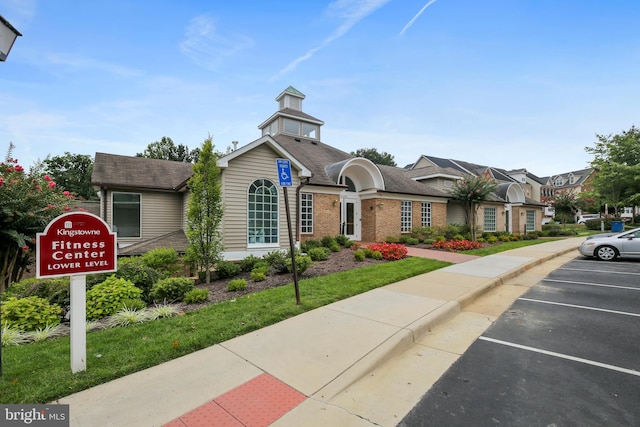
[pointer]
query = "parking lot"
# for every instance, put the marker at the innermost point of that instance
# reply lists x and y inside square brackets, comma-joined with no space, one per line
[566,353]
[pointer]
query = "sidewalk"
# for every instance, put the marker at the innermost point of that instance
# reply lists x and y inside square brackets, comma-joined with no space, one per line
[315,369]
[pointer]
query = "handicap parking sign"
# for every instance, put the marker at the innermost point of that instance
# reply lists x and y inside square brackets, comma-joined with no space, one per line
[284,173]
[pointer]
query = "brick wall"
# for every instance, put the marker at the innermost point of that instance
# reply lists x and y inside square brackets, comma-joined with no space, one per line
[326,216]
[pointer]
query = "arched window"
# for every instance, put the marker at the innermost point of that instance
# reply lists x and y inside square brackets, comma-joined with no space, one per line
[263,212]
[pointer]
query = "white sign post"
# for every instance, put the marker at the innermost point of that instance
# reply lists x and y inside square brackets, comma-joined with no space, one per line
[74,244]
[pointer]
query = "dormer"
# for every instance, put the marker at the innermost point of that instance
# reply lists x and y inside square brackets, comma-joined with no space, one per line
[290,120]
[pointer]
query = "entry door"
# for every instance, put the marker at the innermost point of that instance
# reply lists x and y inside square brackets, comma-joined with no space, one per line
[350,217]
[507,218]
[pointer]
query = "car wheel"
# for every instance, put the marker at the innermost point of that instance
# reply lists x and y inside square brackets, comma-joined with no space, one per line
[606,253]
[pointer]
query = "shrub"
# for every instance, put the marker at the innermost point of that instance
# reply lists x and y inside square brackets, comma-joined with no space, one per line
[13,336]
[171,289]
[327,241]
[54,290]
[390,251]
[412,241]
[106,298]
[392,239]
[342,240]
[303,262]
[249,262]
[127,316]
[428,241]
[134,304]
[492,240]
[377,255]
[140,275]
[258,275]
[359,255]
[368,252]
[277,260]
[227,270]
[335,247]
[348,244]
[319,254]
[458,245]
[310,244]
[237,285]
[262,266]
[163,310]
[196,295]
[30,313]
[165,260]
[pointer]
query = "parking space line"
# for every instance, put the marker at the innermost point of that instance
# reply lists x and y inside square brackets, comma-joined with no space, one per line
[626,313]
[602,285]
[562,356]
[599,271]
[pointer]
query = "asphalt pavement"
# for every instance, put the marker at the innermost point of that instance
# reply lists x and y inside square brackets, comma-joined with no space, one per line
[566,353]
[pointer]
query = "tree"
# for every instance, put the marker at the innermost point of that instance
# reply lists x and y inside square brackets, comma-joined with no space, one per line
[165,149]
[372,154]
[617,165]
[73,173]
[28,202]
[472,191]
[204,212]
[566,205]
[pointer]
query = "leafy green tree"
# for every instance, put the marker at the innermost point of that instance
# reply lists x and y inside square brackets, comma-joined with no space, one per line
[166,149]
[73,173]
[617,165]
[28,202]
[566,206]
[376,157]
[204,213]
[472,191]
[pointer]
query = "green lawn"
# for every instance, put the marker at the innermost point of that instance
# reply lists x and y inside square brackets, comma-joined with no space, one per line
[40,372]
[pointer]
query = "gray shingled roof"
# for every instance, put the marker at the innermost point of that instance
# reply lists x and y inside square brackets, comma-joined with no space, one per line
[176,240]
[111,170]
[321,159]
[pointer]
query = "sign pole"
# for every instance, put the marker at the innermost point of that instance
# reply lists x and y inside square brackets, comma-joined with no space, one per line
[286,180]
[78,323]
[292,247]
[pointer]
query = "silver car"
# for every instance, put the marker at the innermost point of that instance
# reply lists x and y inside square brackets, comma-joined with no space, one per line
[609,246]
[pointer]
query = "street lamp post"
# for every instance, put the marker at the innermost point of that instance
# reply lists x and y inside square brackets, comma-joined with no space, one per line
[8,35]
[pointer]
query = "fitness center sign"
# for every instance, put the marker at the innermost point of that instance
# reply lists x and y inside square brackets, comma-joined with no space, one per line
[75,243]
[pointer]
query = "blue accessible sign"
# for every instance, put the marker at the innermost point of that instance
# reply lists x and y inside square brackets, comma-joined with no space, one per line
[284,173]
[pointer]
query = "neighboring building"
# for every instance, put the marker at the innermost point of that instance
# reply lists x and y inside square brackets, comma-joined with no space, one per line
[511,208]
[573,182]
[333,192]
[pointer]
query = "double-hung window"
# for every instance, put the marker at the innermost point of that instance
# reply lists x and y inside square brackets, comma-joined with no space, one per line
[531,220]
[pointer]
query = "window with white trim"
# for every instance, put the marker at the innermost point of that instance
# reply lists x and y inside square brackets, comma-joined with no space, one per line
[531,220]
[425,217]
[405,216]
[126,214]
[262,212]
[306,213]
[490,219]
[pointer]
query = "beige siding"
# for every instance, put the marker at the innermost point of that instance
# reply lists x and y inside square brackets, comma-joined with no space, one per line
[161,213]
[259,163]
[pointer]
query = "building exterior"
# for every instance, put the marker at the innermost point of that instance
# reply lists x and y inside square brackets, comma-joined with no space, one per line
[333,192]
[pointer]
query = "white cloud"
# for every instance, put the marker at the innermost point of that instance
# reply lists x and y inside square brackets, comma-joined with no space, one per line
[410,23]
[206,47]
[349,12]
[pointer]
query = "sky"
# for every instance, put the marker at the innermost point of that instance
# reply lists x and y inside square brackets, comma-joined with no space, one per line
[504,83]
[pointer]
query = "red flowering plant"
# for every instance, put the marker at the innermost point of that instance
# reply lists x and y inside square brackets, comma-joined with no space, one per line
[390,251]
[457,245]
[28,202]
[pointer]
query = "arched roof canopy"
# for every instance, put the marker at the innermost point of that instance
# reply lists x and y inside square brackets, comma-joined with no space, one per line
[363,172]
[510,192]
